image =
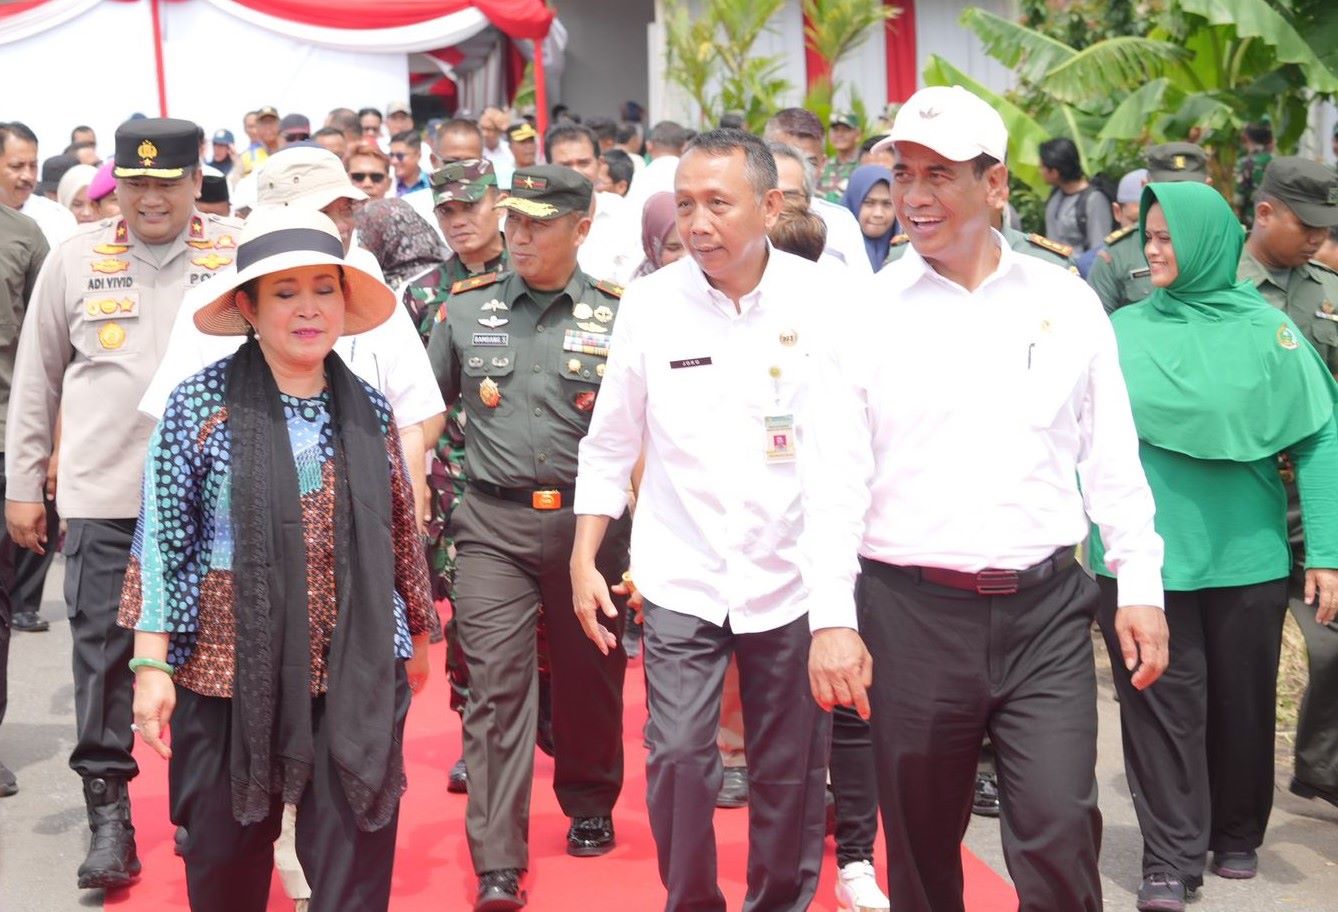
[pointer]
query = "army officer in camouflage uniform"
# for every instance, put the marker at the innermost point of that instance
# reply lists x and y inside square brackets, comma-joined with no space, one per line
[92,338]
[1120,274]
[525,353]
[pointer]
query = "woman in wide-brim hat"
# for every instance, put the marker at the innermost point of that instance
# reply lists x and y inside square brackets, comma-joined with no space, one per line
[276,584]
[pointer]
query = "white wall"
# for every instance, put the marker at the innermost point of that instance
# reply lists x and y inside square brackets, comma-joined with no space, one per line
[606,60]
[99,68]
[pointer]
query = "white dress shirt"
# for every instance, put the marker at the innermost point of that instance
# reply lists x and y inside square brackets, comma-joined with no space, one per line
[57,222]
[957,427]
[716,529]
[845,240]
[390,357]
[610,251]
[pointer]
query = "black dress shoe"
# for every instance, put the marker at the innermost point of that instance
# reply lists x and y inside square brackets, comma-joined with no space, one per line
[590,836]
[179,842]
[29,622]
[1161,892]
[458,781]
[1306,790]
[8,784]
[733,788]
[1235,865]
[986,800]
[499,891]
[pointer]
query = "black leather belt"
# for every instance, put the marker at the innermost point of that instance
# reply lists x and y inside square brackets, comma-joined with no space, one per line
[550,498]
[995,582]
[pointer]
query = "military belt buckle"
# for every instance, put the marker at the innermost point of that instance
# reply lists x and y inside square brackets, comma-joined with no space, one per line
[546,500]
[996,582]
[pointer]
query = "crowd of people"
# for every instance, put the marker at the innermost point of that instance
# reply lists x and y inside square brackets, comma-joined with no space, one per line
[293,408]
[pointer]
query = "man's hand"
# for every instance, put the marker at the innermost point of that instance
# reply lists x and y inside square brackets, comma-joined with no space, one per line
[1321,590]
[155,698]
[840,669]
[417,668]
[589,593]
[51,466]
[1144,641]
[26,523]
[635,601]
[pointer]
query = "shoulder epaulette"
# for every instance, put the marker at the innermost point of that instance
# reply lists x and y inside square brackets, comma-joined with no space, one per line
[1045,243]
[1326,268]
[900,239]
[612,289]
[478,281]
[1119,233]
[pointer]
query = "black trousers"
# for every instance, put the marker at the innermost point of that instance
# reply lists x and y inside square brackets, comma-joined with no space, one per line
[854,781]
[1198,744]
[228,866]
[786,737]
[1317,723]
[951,666]
[96,554]
[8,554]
[510,559]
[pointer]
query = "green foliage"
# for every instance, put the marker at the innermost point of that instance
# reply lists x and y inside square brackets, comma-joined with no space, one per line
[836,27]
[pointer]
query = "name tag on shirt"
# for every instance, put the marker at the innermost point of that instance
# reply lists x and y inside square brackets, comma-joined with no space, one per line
[492,338]
[689,362]
[780,446]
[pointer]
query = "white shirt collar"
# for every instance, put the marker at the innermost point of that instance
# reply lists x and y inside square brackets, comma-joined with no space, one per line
[917,269]
[749,300]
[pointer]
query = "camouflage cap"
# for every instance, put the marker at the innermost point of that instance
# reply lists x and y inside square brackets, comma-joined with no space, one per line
[843,119]
[1308,188]
[1176,161]
[546,192]
[464,181]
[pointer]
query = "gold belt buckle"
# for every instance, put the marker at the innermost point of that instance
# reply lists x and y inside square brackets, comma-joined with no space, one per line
[546,500]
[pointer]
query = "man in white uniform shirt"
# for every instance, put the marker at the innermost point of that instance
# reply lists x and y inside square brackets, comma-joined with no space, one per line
[708,375]
[609,252]
[970,431]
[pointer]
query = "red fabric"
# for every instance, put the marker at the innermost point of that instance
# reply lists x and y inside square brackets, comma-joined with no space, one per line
[517,18]
[21,6]
[815,67]
[902,77]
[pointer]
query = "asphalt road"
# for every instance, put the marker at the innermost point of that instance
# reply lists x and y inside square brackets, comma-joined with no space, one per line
[44,833]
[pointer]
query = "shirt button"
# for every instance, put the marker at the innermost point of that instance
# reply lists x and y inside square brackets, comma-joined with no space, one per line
[537,368]
[538,411]
[539,328]
[543,457]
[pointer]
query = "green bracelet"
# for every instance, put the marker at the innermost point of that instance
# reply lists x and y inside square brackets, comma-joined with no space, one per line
[137,664]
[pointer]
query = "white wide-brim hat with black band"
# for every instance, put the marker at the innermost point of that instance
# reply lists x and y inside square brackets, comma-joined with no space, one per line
[281,238]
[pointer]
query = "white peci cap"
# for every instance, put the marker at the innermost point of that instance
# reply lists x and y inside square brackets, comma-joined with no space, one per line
[953,122]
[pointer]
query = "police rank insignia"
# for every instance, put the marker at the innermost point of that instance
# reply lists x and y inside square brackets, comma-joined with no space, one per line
[109,266]
[489,392]
[111,336]
[111,249]
[211,261]
[197,238]
[225,240]
[1285,337]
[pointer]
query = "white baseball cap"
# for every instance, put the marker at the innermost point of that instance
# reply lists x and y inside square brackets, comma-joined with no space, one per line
[952,121]
[306,176]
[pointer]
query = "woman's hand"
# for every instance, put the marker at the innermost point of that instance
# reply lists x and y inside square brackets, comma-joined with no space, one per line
[1321,590]
[418,668]
[155,698]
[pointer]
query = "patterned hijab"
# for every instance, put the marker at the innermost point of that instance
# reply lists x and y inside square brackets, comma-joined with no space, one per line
[400,239]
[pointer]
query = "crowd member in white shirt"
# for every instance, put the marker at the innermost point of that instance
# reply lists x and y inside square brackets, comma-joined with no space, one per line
[802,130]
[968,432]
[389,357]
[708,375]
[627,137]
[18,179]
[492,125]
[796,182]
[609,252]
[664,145]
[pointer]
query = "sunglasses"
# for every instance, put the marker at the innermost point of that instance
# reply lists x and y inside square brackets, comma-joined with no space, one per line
[399,156]
[374,176]
[296,137]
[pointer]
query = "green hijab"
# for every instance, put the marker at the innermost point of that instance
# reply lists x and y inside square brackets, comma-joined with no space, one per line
[1214,371]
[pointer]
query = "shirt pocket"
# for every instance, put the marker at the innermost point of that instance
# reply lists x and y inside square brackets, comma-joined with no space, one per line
[110,325]
[1048,385]
[486,389]
[581,375]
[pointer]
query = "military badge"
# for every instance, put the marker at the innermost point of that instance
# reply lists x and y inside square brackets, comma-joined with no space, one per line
[582,311]
[111,249]
[109,266]
[492,321]
[1286,338]
[111,336]
[212,261]
[147,152]
[604,314]
[584,400]
[489,393]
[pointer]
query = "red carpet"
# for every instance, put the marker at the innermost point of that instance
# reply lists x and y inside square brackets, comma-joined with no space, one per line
[432,870]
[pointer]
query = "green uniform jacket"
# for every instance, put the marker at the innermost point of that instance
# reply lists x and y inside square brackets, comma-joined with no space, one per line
[1120,273]
[1310,299]
[527,375]
[1031,244]
[835,175]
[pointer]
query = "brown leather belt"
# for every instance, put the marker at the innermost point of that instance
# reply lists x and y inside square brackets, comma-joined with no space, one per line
[995,582]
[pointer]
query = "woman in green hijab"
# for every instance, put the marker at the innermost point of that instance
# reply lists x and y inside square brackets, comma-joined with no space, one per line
[1221,383]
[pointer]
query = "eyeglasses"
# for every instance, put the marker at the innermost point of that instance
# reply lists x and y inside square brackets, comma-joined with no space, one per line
[296,137]
[374,176]
[399,156]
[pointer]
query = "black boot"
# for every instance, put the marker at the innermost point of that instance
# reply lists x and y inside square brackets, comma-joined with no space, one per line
[112,861]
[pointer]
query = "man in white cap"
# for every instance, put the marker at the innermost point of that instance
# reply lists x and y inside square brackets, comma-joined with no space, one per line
[975,613]
[389,357]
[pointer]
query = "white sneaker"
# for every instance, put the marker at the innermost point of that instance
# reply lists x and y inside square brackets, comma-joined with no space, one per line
[857,889]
